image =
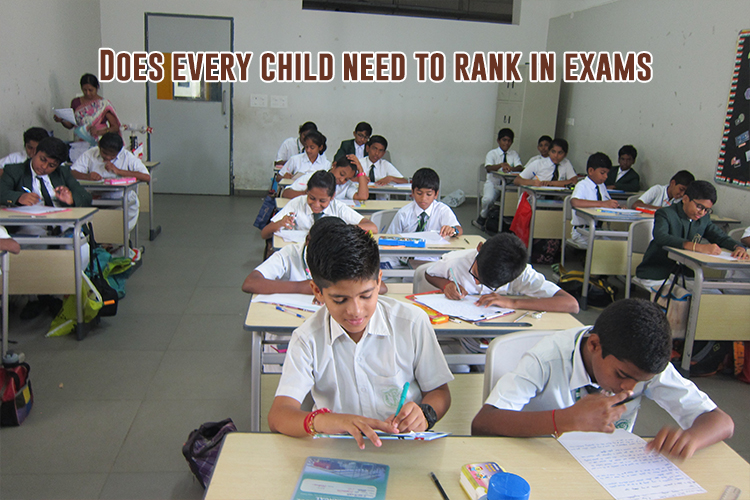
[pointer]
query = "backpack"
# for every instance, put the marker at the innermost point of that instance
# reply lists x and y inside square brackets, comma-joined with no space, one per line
[201,450]
[600,293]
[16,396]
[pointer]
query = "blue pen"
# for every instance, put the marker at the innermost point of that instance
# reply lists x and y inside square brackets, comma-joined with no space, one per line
[403,397]
[290,312]
[26,189]
[454,280]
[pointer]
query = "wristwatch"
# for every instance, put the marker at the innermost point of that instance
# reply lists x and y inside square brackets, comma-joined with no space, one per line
[429,415]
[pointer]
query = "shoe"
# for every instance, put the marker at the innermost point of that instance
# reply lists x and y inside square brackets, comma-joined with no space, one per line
[32,309]
[479,222]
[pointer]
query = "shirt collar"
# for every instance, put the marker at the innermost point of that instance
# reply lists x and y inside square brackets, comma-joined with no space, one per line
[418,211]
[579,377]
[376,326]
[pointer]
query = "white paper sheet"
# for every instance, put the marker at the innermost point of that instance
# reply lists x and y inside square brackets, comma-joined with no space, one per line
[292,235]
[405,187]
[466,308]
[298,300]
[621,465]
[626,212]
[429,237]
[726,255]
[66,114]
[39,209]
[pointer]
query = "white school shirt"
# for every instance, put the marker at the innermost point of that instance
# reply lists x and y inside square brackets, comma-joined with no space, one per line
[4,233]
[18,157]
[495,156]
[586,190]
[286,264]
[289,148]
[543,169]
[359,151]
[657,196]
[535,158]
[303,215]
[364,378]
[301,164]
[746,234]
[36,189]
[438,215]
[530,283]
[383,168]
[345,191]
[551,376]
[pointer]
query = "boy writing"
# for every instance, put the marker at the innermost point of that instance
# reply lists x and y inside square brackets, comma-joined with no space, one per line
[500,159]
[30,140]
[355,354]
[624,178]
[356,146]
[555,170]
[593,379]
[658,196]
[591,193]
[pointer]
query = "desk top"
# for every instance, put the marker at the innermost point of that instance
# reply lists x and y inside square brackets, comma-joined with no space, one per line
[76,214]
[460,243]
[267,466]
[706,260]
[598,215]
[368,206]
[151,164]
[100,186]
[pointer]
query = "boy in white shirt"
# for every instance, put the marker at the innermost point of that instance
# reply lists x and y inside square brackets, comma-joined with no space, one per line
[659,196]
[542,145]
[356,354]
[311,160]
[593,379]
[499,159]
[294,145]
[555,170]
[379,170]
[31,138]
[591,193]
[344,170]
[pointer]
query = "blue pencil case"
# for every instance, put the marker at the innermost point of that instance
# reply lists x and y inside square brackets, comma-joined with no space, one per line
[402,242]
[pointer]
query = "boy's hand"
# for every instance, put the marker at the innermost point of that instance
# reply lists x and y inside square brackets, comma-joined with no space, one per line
[410,418]
[708,248]
[64,195]
[355,160]
[93,176]
[287,222]
[594,413]
[611,204]
[448,232]
[28,199]
[506,167]
[740,253]
[674,443]
[452,293]
[494,299]
[355,425]
[110,167]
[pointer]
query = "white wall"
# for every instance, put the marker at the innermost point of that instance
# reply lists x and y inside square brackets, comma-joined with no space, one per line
[445,125]
[676,120]
[46,46]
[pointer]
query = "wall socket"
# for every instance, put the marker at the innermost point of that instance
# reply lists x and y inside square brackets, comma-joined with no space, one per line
[278,101]
[258,101]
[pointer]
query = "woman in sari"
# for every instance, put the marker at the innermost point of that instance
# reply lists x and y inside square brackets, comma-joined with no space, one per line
[95,115]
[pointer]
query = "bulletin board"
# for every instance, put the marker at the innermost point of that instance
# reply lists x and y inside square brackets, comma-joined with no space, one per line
[733,167]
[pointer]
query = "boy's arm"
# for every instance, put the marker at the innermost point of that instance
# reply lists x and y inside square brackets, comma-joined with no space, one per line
[581,203]
[447,286]
[10,245]
[709,428]
[141,176]
[257,283]
[562,301]
[363,191]
[291,193]
[391,179]
[285,222]
[412,418]
[639,204]
[368,225]
[79,196]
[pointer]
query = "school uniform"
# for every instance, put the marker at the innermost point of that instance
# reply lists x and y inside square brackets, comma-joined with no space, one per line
[380,169]
[345,191]
[303,214]
[350,147]
[534,158]
[21,175]
[289,148]
[552,376]
[301,164]
[657,196]
[490,193]
[18,157]
[286,264]
[407,220]
[364,378]
[624,180]
[586,190]
[92,161]
[543,169]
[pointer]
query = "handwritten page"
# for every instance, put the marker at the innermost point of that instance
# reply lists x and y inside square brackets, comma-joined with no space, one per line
[295,300]
[465,309]
[621,465]
[429,237]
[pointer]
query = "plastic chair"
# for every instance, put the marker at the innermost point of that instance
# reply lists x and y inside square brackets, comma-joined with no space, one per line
[504,353]
[481,178]
[567,229]
[632,199]
[420,283]
[383,219]
[640,235]
[736,234]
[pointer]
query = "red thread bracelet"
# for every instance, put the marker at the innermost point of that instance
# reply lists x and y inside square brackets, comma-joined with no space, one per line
[554,424]
[308,424]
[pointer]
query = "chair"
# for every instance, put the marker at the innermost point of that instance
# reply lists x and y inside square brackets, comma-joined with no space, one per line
[736,234]
[640,235]
[420,284]
[567,229]
[632,199]
[504,353]
[481,178]
[383,219]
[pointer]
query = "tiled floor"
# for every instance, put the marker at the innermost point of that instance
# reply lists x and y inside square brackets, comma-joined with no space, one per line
[112,411]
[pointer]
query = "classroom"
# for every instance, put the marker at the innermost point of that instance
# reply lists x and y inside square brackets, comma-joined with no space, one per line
[113,410]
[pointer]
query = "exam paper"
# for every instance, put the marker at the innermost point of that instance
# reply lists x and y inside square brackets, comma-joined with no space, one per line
[619,462]
[292,235]
[465,309]
[726,255]
[66,114]
[39,209]
[296,300]
[429,237]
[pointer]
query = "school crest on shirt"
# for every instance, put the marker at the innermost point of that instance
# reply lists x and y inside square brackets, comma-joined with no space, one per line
[391,396]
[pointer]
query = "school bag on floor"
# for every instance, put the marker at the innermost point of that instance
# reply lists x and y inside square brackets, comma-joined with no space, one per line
[201,450]
[600,293]
[16,395]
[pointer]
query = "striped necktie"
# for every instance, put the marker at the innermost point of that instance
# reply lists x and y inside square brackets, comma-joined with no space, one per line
[422,222]
[556,173]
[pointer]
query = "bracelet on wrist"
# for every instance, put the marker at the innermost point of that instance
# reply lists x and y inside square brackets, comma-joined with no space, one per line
[361,174]
[308,423]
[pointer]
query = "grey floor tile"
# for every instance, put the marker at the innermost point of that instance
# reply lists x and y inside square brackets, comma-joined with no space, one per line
[211,333]
[159,298]
[51,486]
[152,486]
[135,332]
[218,300]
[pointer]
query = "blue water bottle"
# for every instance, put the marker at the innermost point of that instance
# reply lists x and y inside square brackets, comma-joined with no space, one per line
[507,486]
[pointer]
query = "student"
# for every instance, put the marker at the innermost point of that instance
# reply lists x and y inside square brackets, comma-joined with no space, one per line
[7,243]
[356,146]
[683,225]
[301,212]
[357,352]
[294,145]
[591,193]
[624,178]
[573,381]
[31,138]
[658,196]
[498,269]
[110,160]
[309,161]
[555,170]
[344,170]
[542,145]
[379,170]
[503,159]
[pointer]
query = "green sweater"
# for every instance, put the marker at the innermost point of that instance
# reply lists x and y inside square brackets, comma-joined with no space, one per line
[672,228]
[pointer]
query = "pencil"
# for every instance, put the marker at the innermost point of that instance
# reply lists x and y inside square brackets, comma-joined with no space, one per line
[439,486]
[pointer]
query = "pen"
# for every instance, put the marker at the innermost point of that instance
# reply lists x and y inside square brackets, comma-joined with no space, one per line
[521,317]
[403,397]
[26,189]
[439,486]
[289,312]
[454,280]
[467,241]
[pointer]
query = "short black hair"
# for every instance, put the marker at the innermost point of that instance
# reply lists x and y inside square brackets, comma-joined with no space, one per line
[683,177]
[307,127]
[544,138]
[318,139]
[701,190]
[343,161]
[34,134]
[323,179]
[377,139]
[505,132]
[90,79]
[627,149]
[111,142]
[53,148]
[342,252]
[637,331]
[323,224]
[501,259]
[363,127]
[598,160]
[425,178]
[559,142]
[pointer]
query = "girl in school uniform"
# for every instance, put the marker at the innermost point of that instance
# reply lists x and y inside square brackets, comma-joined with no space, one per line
[351,181]
[309,161]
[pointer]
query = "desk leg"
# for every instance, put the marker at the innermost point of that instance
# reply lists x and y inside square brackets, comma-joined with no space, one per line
[255,371]
[532,200]
[152,232]
[5,260]
[502,204]
[587,268]
[125,220]
[80,330]
[692,324]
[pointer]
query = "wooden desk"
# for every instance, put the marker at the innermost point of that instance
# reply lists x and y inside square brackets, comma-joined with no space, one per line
[460,243]
[264,318]
[153,232]
[365,207]
[105,228]
[49,271]
[266,466]
[550,223]
[723,316]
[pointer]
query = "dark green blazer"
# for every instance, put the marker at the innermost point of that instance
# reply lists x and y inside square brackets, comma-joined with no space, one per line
[631,181]
[672,228]
[18,176]
[346,148]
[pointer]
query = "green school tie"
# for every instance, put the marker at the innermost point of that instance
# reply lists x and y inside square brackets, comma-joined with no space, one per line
[422,222]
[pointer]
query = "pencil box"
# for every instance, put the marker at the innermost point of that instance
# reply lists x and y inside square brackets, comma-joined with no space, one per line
[120,180]
[402,242]
[475,478]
